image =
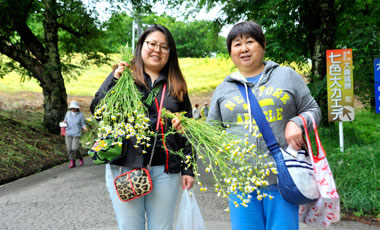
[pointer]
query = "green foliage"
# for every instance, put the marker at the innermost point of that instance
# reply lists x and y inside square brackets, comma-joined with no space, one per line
[196,39]
[193,39]
[292,29]
[357,29]
[356,174]
[118,31]
[77,32]
[42,37]
[286,35]
[6,66]
[356,170]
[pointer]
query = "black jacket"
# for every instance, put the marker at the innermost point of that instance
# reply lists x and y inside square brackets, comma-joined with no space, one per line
[134,158]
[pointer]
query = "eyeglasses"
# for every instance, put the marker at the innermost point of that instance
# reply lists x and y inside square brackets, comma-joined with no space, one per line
[153,46]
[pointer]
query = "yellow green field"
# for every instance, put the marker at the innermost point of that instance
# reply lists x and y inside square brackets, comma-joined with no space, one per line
[202,75]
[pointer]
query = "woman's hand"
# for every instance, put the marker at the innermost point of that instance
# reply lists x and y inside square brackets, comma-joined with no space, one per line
[120,69]
[187,182]
[176,124]
[293,135]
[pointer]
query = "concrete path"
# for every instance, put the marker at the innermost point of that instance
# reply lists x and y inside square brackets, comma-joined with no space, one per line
[62,198]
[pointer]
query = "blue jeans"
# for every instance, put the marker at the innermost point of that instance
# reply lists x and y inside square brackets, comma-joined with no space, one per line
[159,205]
[275,214]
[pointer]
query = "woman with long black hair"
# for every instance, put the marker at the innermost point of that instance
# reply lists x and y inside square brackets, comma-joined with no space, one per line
[155,65]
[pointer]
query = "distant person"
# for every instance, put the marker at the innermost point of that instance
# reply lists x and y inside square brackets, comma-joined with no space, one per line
[75,123]
[196,112]
[204,110]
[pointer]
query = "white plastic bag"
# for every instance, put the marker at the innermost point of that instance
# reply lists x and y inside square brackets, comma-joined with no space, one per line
[189,217]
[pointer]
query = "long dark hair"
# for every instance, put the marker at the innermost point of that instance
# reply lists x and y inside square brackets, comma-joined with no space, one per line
[176,82]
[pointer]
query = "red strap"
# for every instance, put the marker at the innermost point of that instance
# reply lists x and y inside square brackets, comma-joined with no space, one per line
[307,138]
[161,104]
[321,151]
[166,149]
[162,127]
[321,154]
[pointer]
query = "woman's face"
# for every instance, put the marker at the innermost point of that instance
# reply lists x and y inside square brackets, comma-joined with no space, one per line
[154,59]
[247,54]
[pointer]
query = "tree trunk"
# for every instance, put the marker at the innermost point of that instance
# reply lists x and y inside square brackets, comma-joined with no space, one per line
[55,98]
[55,106]
[322,38]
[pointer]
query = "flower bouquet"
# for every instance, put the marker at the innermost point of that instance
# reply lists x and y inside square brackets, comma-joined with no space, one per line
[122,114]
[235,165]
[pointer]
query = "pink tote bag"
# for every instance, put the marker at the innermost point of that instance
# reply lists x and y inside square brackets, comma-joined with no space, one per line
[326,209]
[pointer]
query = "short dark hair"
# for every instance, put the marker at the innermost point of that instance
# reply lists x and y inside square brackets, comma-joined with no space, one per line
[250,28]
[176,82]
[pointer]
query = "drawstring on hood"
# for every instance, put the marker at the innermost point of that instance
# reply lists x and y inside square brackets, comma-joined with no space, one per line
[237,76]
[249,108]
[240,78]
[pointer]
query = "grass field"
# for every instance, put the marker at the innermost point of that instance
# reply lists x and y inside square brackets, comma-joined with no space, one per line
[202,75]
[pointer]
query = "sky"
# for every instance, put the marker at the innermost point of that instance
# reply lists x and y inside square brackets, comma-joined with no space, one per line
[160,9]
[202,15]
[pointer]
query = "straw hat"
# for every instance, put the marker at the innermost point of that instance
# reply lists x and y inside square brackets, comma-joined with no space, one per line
[74,105]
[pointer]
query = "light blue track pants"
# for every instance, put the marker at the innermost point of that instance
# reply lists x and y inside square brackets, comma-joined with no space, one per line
[159,205]
[274,214]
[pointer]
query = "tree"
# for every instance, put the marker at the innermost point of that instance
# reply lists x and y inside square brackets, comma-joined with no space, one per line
[298,31]
[118,31]
[196,39]
[193,39]
[357,29]
[40,37]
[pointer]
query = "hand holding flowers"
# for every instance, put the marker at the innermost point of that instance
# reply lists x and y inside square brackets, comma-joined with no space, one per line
[236,166]
[121,112]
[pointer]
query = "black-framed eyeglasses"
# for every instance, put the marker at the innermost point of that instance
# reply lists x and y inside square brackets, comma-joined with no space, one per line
[153,46]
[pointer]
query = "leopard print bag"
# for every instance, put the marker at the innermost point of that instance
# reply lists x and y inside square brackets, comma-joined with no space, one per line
[133,184]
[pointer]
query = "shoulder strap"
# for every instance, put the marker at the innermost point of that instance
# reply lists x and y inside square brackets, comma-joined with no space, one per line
[258,115]
[158,122]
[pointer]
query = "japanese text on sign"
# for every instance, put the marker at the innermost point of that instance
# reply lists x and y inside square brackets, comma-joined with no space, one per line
[340,85]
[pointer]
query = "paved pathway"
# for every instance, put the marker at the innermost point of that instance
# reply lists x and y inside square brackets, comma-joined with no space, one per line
[62,198]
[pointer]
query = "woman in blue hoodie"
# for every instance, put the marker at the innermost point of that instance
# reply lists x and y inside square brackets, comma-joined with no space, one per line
[282,95]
